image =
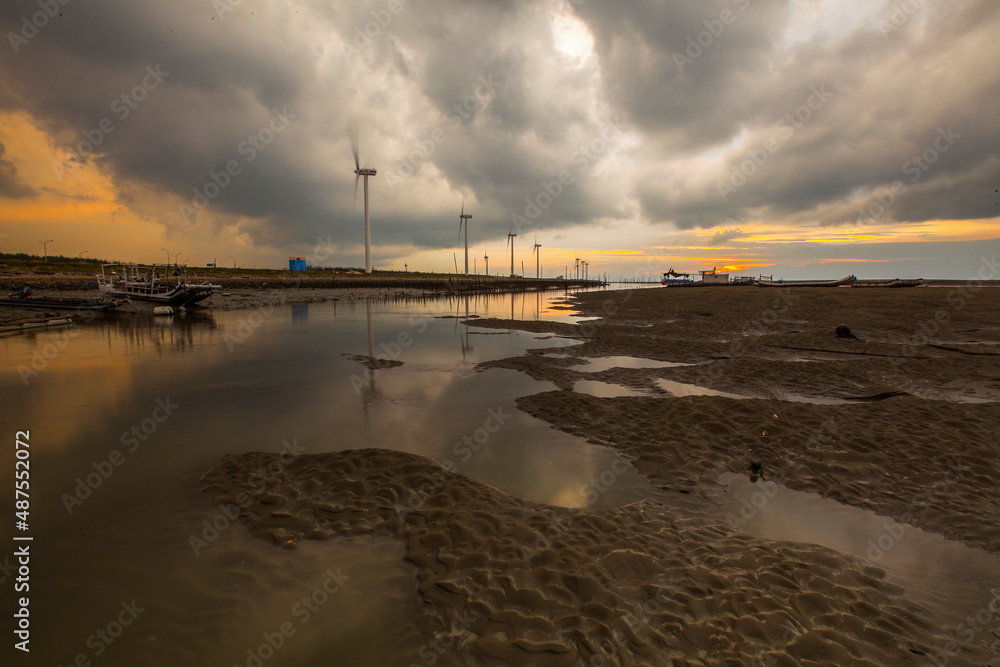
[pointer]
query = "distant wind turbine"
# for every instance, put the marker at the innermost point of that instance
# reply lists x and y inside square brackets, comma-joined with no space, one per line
[510,241]
[464,217]
[538,258]
[366,172]
[486,256]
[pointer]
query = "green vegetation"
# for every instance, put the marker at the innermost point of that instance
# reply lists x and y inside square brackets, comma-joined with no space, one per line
[25,263]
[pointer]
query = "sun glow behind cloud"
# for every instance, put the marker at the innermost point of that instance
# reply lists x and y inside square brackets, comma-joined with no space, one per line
[571,35]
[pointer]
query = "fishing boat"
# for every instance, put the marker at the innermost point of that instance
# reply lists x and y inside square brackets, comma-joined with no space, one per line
[26,299]
[846,280]
[714,277]
[889,282]
[147,284]
[673,278]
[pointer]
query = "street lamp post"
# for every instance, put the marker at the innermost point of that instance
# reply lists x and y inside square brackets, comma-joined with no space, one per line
[45,249]
[80,256]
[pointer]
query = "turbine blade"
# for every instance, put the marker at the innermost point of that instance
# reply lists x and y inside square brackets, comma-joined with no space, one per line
[352,135]
[356,179]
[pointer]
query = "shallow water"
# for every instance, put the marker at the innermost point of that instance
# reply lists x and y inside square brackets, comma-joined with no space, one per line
[683,389]
[598,364]
[605,389]
[952,580]
[128,413]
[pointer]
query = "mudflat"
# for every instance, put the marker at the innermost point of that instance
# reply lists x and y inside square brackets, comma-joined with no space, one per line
[900,418]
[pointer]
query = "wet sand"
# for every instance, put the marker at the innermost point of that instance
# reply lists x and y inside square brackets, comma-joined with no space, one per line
[903,421]
[508,582]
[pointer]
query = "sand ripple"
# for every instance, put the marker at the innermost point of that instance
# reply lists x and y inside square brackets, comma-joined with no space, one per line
[508,582]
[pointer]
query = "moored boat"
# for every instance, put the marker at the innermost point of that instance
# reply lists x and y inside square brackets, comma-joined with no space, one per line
[146,284]
[846,280]
[673,278]
[26,299]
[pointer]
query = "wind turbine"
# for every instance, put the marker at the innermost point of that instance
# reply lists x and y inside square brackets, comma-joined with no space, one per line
[464,217]
[486,256]
[510,242]
[366,172]
[538,258]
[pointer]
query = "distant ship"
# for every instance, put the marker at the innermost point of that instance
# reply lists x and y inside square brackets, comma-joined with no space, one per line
[673,278]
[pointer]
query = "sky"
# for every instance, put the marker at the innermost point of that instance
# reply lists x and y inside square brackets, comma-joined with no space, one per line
[793,138]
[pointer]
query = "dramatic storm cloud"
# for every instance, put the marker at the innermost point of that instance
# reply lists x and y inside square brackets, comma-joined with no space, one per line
[638,127]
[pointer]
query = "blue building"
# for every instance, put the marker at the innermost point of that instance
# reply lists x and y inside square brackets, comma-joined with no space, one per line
[296,263]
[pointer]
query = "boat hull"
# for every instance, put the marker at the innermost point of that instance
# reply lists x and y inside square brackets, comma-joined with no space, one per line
[135,282]
[177,297]
[847,280]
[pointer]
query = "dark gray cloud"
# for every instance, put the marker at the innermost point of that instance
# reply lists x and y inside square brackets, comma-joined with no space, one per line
[694,116]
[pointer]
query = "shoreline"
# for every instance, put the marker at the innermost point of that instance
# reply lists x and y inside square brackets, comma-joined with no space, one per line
[247,292]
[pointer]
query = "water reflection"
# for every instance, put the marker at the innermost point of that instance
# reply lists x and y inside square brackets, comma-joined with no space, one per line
[952,588]
[255,381]
[598,364]
[605,389]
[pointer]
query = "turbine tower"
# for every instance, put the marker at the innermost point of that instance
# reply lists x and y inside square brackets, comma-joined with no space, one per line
[510,242]
[486,256]
[538,259]
[463,217]
[366,172]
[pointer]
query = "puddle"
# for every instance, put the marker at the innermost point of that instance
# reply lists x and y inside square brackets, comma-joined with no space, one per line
[605,389]
[952,580]
[597,364]
[682,389]
[815,400]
